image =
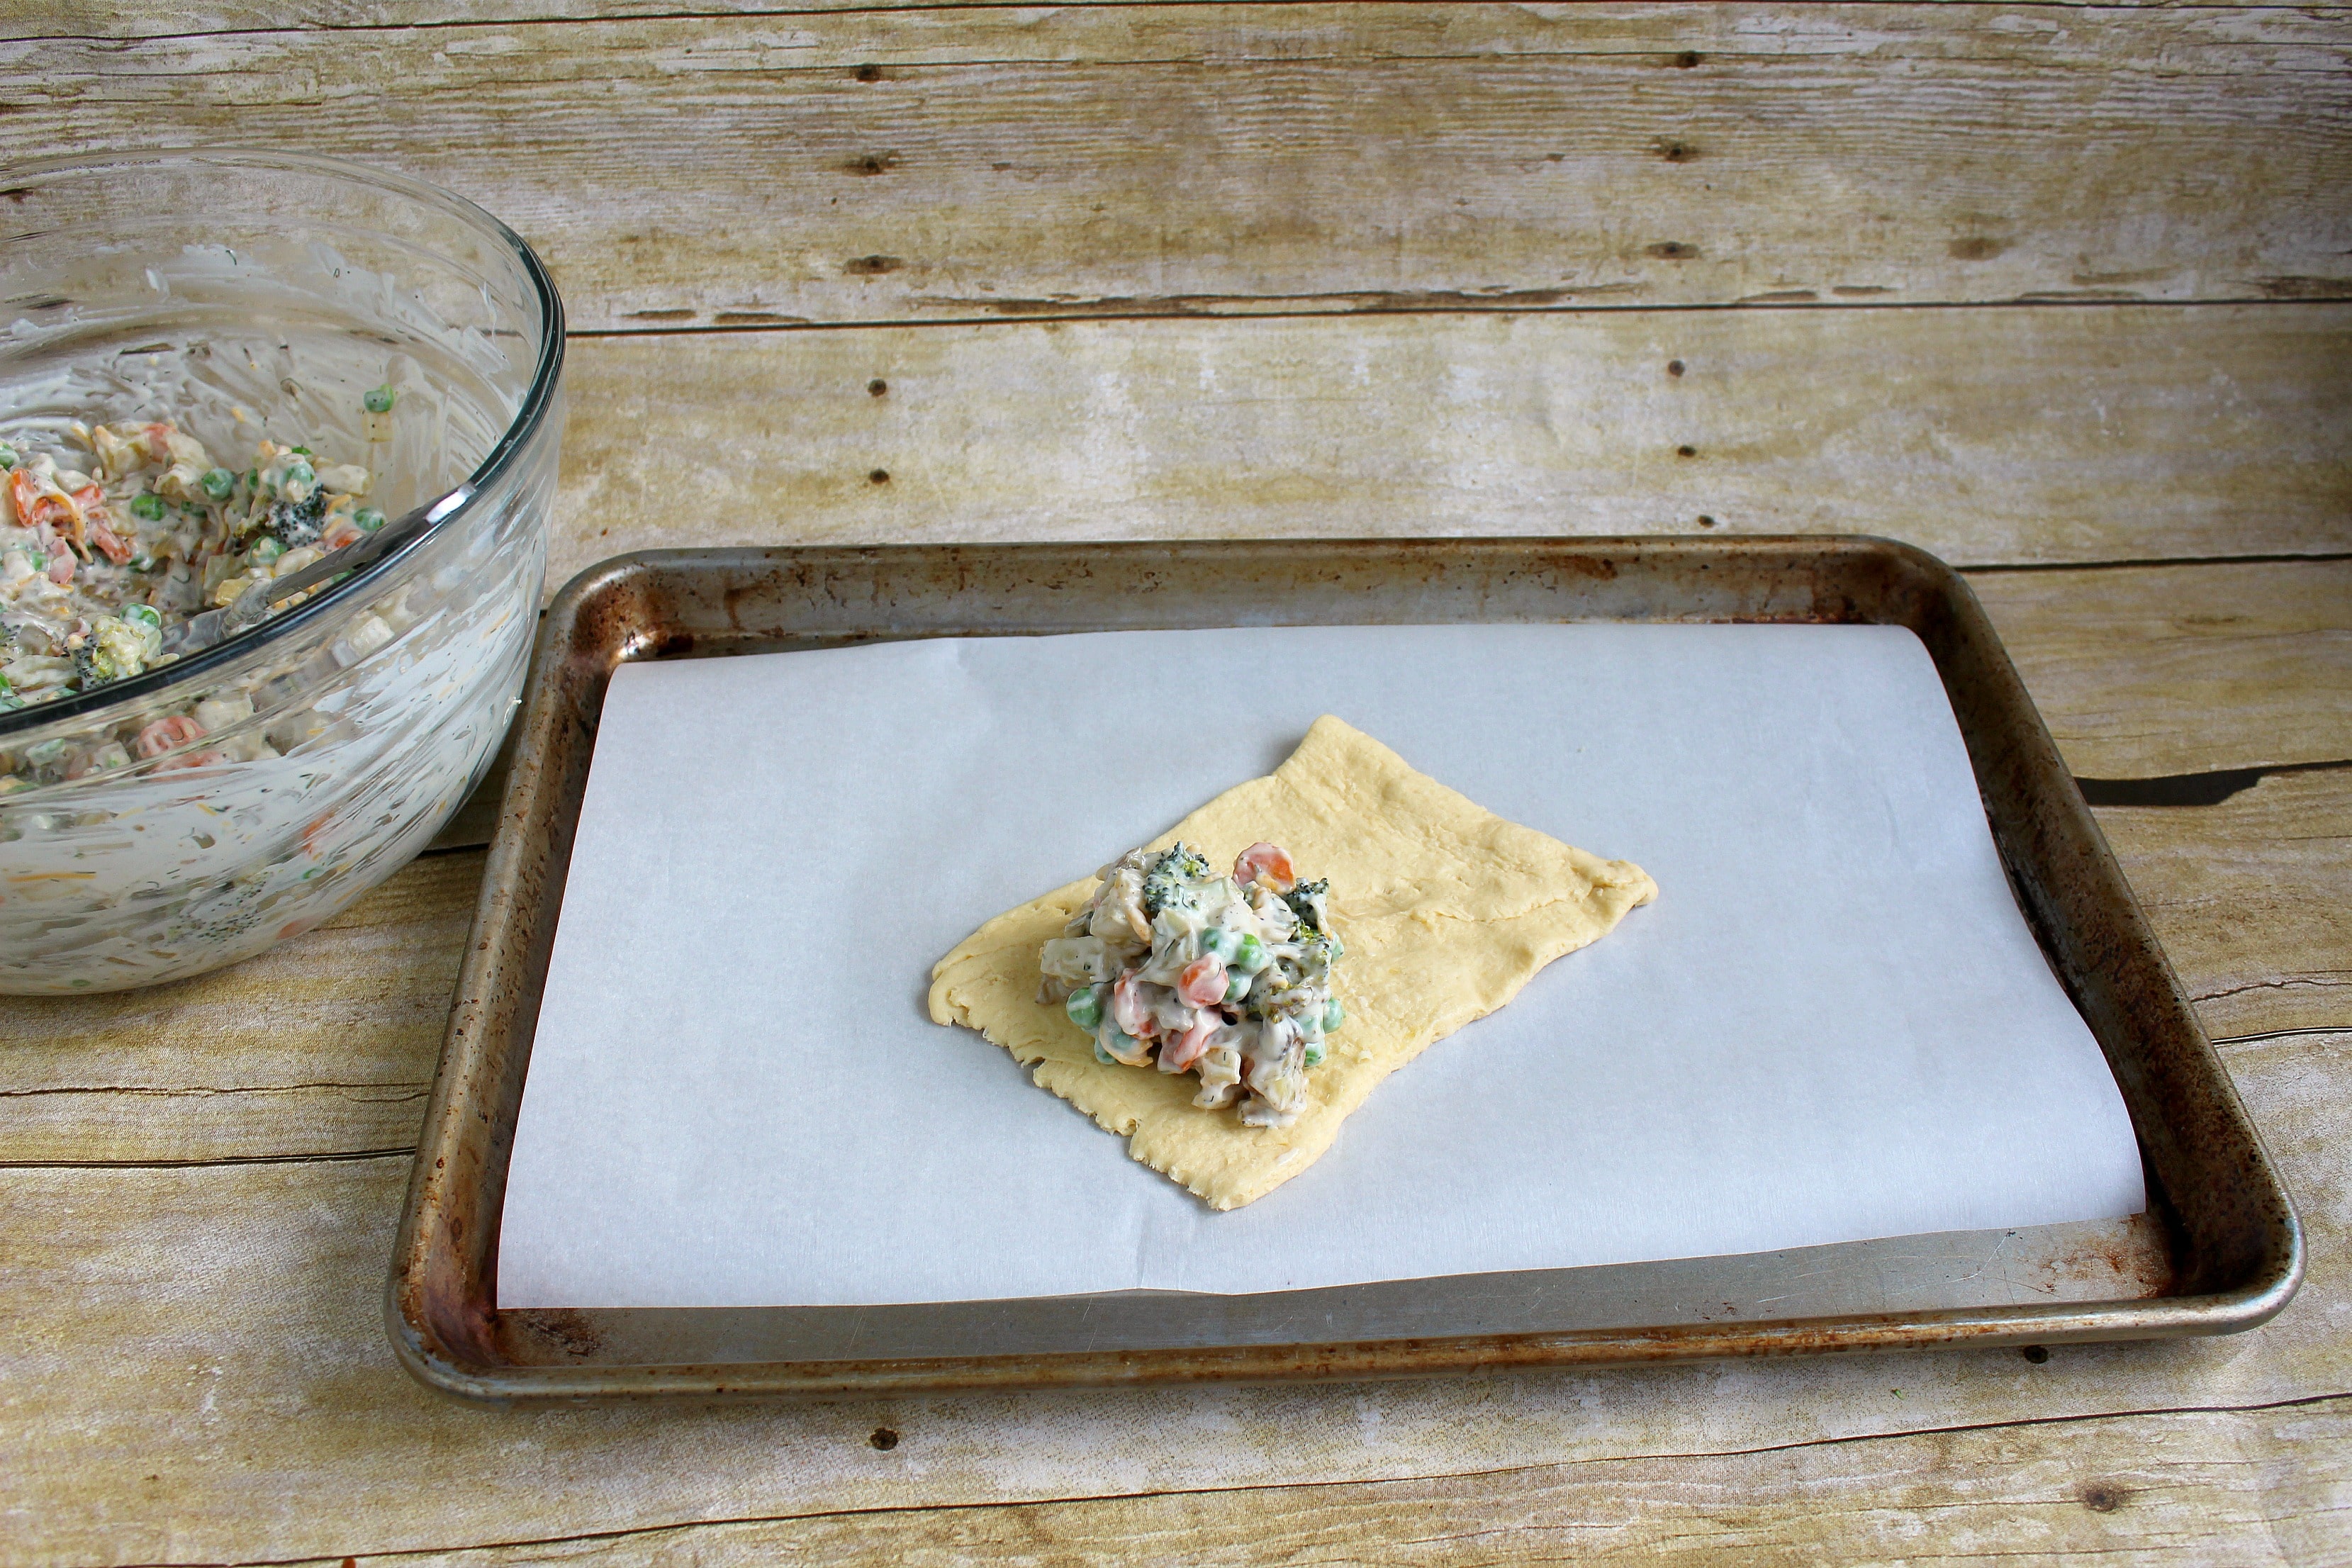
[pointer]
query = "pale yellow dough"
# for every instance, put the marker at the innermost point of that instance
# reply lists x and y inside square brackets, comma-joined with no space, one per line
[1445,908]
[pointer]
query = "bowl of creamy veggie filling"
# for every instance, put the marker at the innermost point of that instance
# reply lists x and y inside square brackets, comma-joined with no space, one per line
[220,369]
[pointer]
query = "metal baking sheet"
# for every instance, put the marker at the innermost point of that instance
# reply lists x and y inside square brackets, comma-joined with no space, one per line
[2219,1250]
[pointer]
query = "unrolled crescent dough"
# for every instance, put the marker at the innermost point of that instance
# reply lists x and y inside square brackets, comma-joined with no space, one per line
[1445,910]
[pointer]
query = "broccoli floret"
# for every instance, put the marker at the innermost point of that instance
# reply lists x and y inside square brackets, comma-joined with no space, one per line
[1317,947]
[117,650]
[1180,866]
[91,669]
[1306,902]
[296,523]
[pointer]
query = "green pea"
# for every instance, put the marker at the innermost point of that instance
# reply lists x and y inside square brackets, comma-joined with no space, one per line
[379,400]
[1104,1056]
[300,473]
[367,519]
[1314,1056]
[252,478]
[148,506]
[1333,1015]
[7,457]
[1217,943]
[1249,953]
[265,549]
[1085,1007]
[217,483]
[145,615]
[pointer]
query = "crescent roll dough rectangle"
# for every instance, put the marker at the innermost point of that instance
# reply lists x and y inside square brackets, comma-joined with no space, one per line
[1445,910]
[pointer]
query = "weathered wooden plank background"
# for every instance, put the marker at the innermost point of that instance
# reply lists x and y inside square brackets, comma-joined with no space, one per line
[1990,436]
[2059,291]
[989,163]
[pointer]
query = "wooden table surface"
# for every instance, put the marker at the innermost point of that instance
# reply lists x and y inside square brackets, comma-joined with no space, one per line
[2061,292]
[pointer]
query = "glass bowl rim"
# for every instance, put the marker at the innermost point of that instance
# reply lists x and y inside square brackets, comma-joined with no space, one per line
[529,418]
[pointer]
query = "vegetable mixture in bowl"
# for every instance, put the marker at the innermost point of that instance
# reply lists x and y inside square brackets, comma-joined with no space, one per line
[222,368]
[105,542]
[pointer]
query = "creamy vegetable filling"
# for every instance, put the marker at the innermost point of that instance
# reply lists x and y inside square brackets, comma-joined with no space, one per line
[1228,977]
[116,531]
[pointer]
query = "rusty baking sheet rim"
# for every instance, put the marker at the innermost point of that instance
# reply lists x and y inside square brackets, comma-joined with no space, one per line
[2236,1244]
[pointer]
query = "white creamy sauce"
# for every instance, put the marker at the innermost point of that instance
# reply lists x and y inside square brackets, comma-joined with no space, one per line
[1174,966]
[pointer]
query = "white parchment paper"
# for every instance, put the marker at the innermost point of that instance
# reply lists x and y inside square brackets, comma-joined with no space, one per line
[1833,1024]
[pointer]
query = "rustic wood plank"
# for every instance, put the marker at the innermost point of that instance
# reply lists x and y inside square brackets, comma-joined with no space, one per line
[1007,162]
[2251,899]
[93,20]
[325,1043]
[2220,1488]
[1989,437]
[2184,669]
[195,1357]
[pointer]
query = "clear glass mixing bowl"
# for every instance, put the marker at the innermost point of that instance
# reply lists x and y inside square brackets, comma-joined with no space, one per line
[241,294]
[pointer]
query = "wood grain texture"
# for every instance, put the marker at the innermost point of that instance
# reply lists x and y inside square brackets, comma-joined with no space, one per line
[325,1044]
[2222,1489]
[207,1421]
[1001,161]
[94,20]
[2183,669]
[2051,435]
[2251,899]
